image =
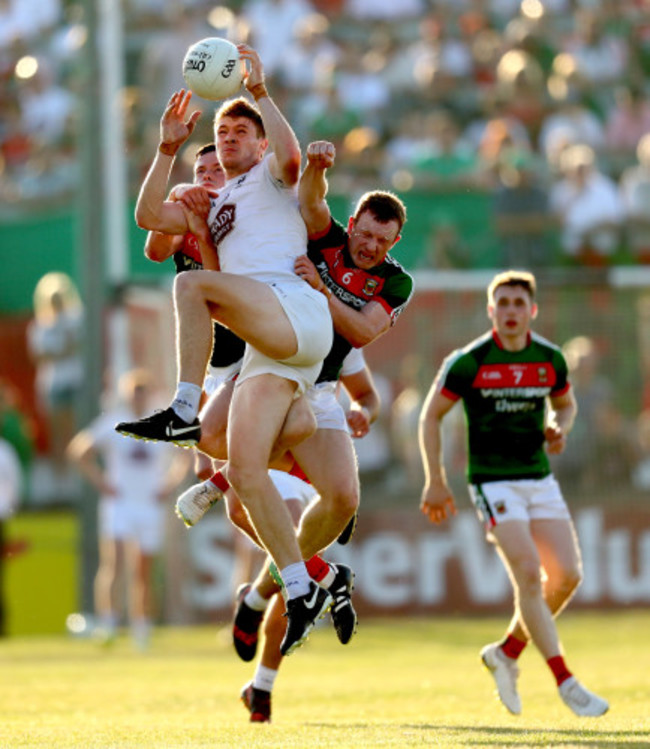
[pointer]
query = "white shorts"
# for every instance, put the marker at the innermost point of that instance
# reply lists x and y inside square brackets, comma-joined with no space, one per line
[328,411]
[143,523]
[521,499]
[310,318]
[216,376]
[291,487]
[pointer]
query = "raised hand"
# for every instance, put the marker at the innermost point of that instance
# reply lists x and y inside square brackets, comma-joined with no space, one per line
[321,154]
[254,75]
[175,129]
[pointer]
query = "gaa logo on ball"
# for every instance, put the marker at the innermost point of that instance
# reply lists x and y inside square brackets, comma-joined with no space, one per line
[213,69]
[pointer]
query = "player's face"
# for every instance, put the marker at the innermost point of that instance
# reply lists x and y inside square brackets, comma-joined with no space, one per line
[208,171]
[239,146]
[512,312]
[370,240]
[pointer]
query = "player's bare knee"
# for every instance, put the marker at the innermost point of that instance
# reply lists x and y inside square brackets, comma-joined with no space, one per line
[528,577]
[570,581]
[247,481]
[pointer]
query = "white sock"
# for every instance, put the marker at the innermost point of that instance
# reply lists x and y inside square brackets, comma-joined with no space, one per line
[329,577]
[186,401]
[255,601]
[108,622]
[296,580]
[264,678]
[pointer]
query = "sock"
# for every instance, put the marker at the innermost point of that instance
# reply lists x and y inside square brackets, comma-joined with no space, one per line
[264,678]
[297,471]
[108,622]
[186,401]
[255,601]
[559,669]
[219,481]
[513,647]
[318,568]
[296,580]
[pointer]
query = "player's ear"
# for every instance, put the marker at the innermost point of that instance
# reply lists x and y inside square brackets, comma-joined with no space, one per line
[350,224]
[490,311]
[397,239]
[533,311]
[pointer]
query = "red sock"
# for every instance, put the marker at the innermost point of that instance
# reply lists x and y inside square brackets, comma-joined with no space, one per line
[317,568]
[512,646]
[297,471]
[219,481]
[559,669]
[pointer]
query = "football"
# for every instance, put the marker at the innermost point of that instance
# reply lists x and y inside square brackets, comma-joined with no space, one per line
[212,68]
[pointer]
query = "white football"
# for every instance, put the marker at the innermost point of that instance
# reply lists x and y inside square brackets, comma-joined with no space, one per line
[212,68]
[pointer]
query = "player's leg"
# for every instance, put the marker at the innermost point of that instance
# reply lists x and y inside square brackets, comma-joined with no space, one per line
[559,553]
[249,308]
[140,573]
[257,693]
[250,440]
[105,586]
[253,598]
[518,551]
[214,422]
[328,459]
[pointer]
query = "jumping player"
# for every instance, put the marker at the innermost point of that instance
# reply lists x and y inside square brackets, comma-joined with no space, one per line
[286,324]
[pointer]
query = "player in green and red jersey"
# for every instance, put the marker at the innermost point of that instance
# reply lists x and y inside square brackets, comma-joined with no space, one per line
[518,405]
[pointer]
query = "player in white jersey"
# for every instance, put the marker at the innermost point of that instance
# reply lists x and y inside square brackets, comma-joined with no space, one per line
[285,323]
[132,479]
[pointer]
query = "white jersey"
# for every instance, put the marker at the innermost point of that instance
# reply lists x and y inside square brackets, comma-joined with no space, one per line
[256,226]
[135,469]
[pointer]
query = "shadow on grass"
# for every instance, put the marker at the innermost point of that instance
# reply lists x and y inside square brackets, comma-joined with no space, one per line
[502,736]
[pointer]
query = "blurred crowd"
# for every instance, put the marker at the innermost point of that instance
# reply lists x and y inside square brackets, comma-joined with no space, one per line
[541,106]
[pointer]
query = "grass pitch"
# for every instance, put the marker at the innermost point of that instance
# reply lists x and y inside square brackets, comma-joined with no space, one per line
[398,683]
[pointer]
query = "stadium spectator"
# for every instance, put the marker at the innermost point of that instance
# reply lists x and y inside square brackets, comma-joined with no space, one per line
[626,123]
[588,207]
[274,25]
[635,194]
[569,122]
[504,379]
[522,214]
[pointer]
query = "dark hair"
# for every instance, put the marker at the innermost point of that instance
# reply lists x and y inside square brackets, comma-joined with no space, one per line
[512,278]
[241,107]
[384,206]
[207,148]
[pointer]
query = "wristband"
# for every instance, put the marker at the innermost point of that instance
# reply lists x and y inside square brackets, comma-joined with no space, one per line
[169,149]
[258,91]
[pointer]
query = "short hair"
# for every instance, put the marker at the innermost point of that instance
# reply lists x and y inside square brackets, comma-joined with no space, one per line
[384,206]
[512,278]
[202,150]
[241,107]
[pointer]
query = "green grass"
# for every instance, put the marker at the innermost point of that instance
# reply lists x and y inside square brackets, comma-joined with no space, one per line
[399,683]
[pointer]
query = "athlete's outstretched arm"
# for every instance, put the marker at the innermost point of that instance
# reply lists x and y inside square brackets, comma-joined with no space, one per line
[312,191]
[286,157]
[152,211]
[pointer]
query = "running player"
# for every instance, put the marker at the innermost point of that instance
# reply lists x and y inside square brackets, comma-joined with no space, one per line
[506,379]
[256,227]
